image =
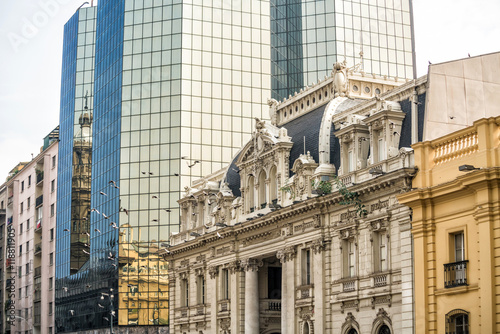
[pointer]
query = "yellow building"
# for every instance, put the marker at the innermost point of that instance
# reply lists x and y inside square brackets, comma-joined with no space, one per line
[456,230]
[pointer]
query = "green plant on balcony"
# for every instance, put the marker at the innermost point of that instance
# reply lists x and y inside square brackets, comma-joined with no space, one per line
[287,187]
[350,197]
[322,187]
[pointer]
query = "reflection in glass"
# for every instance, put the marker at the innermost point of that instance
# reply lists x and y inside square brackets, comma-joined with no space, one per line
[80,190]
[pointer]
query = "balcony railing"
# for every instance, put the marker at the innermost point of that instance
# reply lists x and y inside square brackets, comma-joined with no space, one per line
[349,286]
[270,305]
[38,272]
[38,292]
[455,274]
[39,201]
[380,280]
[38,248]
[39,177]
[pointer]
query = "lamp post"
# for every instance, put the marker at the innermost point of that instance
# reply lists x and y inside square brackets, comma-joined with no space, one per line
[111,309]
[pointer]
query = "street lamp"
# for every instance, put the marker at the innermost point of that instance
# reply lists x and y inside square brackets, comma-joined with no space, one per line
[111,308]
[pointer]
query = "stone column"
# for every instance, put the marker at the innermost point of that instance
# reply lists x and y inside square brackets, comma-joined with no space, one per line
[251,267]
[286,257]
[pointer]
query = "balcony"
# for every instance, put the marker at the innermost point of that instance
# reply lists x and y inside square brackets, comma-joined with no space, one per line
[270,305]
[38,272]
[39,177]
[38,248]
[38,292]
[455,274]
[39,201]
[10,200]
[38,225]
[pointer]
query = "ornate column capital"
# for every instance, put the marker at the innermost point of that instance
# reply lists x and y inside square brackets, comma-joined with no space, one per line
[286,254]
[251,264]
[213,271]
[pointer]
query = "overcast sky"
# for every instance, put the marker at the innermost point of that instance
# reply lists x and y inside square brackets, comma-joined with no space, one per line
[31,33]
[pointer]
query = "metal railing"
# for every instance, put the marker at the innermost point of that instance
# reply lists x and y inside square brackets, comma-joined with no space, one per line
[38,272]
[455,274]
[38,248]
[39,177]
[39,201]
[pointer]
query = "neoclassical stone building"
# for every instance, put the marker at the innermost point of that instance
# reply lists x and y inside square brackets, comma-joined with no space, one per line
[302,232]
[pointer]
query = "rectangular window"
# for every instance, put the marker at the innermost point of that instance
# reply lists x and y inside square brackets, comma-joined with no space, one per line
[51,259]
[350,161]
[52,186]
[225,284]
[51,283]
[27,268]
[50,308]
[22,207]
[52,210]
[306,267]
[20,249]
[54,161]
[380,251]
[51,234]
[29,202]
[27,246]
[27,224]
[459,248]
[20,291]
[20,228]
[185,293]
[201,289]
[22,186]
[26,293]
[29,180]
[381,149]
[349,258]
[20,271]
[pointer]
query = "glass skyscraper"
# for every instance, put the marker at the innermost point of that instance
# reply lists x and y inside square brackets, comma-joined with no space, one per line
[156,93]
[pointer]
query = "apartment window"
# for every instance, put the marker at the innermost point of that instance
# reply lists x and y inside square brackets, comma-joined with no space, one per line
[380,251]
[29,202]
[22,207]
[20,249]
[200,285]
[27,268]
[26,293]
[51,330]
[20,228]
[455,272]
[20,271]
[50,308]
[20,291]
[51,234]
[52,211]
[52,186]
[1,205]
[306,267]
[22,186]
[349,258]
[29,180]
[27,246]
[54,161]
[27,224]
[51,259]
[51,283]
[224,284]
[457,322]
[185,293]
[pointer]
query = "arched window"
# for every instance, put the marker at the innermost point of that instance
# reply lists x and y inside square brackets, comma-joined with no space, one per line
[384,330]
[273,186]
[262,190]
[306,328]
[457,322]
[352,331]
[251,194]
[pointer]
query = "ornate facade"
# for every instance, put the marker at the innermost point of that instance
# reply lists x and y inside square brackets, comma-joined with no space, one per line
[302,232]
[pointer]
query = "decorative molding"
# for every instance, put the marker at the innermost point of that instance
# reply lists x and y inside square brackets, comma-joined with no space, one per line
[317,246]
[350,322]
[349,304]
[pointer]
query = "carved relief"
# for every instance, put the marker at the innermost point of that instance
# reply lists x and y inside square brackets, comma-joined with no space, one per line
[317,246]
[251,264]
